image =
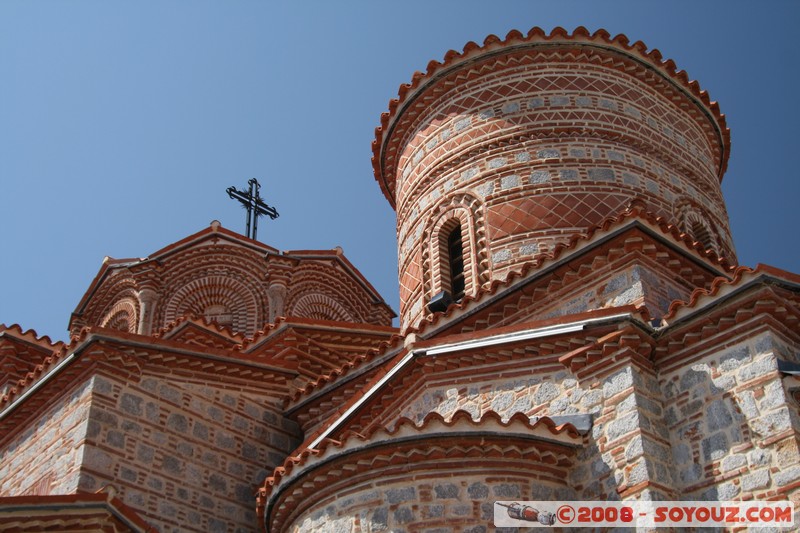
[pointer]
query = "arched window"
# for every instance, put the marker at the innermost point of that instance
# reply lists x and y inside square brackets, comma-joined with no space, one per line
[701,230]
[454,259]
[455,262]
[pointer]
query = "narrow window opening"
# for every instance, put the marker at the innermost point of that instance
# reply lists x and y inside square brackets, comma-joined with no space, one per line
[455,253]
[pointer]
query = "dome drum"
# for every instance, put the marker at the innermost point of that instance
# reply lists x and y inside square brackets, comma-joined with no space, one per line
[552,135]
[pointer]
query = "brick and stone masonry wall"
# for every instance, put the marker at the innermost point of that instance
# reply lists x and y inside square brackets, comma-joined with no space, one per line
[628,443]
[733,425]
[187,456]
[445,502]
[636,284]
[721,428]
[539,152]
[46,457]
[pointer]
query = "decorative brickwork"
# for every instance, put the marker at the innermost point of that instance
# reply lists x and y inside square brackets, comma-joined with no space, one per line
[605,347]
[552,135]
[427,483]
[230,280]
[46,458]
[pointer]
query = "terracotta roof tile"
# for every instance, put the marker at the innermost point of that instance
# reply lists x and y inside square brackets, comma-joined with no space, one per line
[62,351]
[740,275]
[100,510]
[359,361]
[406,425]
[30,336]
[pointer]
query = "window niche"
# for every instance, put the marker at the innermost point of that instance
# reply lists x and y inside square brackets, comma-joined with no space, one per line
[451,259]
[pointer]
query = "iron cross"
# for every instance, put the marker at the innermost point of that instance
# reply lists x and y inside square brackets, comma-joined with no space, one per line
[251,200]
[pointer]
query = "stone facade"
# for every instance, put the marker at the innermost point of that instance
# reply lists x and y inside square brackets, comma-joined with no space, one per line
[46,457]
[187,455]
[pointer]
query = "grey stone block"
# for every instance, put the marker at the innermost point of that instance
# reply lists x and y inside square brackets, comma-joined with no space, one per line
[568,174]
[718,416]
[200,431]
[448,490]
[756,480]
[630,179]
[545,392]
[177,422]
[617,383]
[115,439]
[549,153]
[501,256]
[692,378]
[539,176]
[601,174]
[497,162]
[632,111]
[217,483]
[757,368]
[486,189]
[784,477]
[434,511]
[478,491]
[172,465]
[131,404]
[759,457]
[401,495]
[732,462]
[622,426]
[715,447]
[507,182]
[506,490]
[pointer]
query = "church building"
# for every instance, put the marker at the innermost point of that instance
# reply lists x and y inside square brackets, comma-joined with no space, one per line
[573,325]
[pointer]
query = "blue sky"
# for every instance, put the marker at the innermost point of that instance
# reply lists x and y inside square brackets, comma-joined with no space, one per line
[122,123]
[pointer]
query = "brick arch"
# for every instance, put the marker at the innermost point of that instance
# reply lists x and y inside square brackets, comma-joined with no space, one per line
[108,300]
[123,315]
[242,263]
[320,278]
[320,307]
[466,210]
[696,223]
[214,292]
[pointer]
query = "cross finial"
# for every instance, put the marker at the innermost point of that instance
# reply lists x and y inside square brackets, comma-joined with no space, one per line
[252,202]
